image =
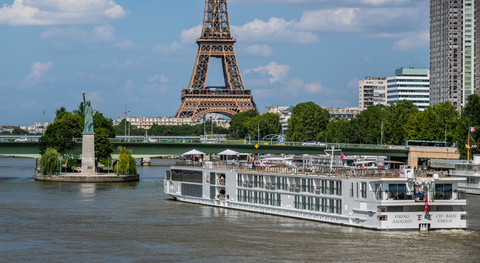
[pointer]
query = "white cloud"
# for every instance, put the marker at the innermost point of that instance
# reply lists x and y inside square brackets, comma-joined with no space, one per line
[189,36]
[412,41]
[59,12]
[314,88]
[38,70]
[278,72]
[259,50]
[161,78]
[353,84]
[166,49]
[125,44]
[73,37]
[276,30]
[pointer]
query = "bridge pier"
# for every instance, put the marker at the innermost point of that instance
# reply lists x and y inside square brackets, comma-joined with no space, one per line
[146,161]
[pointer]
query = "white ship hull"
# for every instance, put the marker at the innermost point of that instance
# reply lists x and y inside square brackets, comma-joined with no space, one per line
[345,205]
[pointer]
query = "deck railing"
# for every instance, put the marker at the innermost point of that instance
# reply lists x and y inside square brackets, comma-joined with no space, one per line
[341,172]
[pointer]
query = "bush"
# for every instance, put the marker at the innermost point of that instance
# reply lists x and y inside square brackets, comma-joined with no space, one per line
[126,164]
[49,164]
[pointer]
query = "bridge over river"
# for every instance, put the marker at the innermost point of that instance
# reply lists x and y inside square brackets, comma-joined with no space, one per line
[171,147]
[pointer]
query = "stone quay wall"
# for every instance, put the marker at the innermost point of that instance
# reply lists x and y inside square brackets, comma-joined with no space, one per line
[87,179]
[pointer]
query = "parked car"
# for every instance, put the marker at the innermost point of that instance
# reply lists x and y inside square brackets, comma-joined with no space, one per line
[322,144]
[309,144]
[152,140]
[21,140]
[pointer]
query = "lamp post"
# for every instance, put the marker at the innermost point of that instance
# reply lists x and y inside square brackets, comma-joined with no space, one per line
[446,123]
[381,141]
[258,129]
[43,123]
[204,131]
[211,119]
[128,127]
[116,159]
[60,158]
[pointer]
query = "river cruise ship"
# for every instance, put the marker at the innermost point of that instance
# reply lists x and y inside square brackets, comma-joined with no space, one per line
[470,171]
[379,200]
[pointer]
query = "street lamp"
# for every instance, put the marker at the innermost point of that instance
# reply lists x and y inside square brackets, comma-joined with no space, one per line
[116,159]
[128,127]
[381,142]
[211,119]
[60,158]
[204,131]
[446,123]
[43,124]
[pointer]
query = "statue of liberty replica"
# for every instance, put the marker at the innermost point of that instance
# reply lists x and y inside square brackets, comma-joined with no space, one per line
[88,141]
[88,115]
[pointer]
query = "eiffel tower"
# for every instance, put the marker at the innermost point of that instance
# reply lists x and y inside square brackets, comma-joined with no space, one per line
[216,41]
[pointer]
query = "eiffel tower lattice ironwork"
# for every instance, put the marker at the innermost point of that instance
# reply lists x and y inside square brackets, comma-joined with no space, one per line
[216,41]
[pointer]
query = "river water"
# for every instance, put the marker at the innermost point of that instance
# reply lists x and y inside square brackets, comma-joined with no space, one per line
[137,222]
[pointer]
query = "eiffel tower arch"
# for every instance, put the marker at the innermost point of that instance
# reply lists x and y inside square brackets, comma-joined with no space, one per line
[216,41]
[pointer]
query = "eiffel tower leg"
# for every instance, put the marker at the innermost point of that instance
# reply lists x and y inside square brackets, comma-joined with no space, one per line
[200,70]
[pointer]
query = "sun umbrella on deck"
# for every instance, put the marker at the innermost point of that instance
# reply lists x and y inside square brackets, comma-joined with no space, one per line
[193,152]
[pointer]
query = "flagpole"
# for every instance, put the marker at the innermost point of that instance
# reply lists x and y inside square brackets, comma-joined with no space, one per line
[468,154]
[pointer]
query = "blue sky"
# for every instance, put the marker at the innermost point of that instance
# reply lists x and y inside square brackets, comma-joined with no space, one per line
[142,53]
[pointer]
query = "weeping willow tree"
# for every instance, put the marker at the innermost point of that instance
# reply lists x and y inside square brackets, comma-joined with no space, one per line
[126,164]
[49,164]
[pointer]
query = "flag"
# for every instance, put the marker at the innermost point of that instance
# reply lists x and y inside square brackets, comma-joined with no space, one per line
[341,155]
[427,214]
[472,129]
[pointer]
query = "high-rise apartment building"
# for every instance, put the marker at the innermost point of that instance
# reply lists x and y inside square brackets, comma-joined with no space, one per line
[372,91]
[409,84]
[455,72]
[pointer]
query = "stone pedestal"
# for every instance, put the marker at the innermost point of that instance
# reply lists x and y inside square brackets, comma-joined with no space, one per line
[88,153]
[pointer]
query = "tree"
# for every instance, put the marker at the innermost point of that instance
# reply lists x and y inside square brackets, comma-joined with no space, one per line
[307,122]
[49,164]
[103,146]
[430,124]
[338,131]
[269,123]
[126,164]
[366,127]
[18,131]
[59,135]
[60,112]
[470,118]
[238,121]
[394,120]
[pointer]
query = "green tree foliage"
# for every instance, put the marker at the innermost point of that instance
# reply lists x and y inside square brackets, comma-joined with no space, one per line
[307,123]
[49,164]
[60,112]
[366,127]
[126,164]
[268,123]
[239,120]
[430,124]
[394,119]
[18,131]
[60,133]
[170,130]
[470,118]
[338,131]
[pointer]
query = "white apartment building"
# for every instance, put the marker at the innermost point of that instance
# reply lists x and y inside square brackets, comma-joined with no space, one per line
[372,91]
[347,113]
[411,84]
[147,122]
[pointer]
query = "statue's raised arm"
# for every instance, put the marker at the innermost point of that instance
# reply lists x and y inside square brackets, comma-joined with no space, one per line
[88,115]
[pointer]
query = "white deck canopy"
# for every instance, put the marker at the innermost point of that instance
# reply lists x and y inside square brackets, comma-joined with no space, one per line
[193,152]
[228,152]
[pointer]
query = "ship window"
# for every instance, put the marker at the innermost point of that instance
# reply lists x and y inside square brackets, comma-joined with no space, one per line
[378,192]
[212,192]
[395,209]
[382,218]
[212,178]
[187,176]
[192,190]
[351,191]
[364,190]
[443,191]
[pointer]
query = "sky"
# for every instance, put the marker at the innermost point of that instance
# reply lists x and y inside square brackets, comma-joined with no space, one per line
[142,53]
